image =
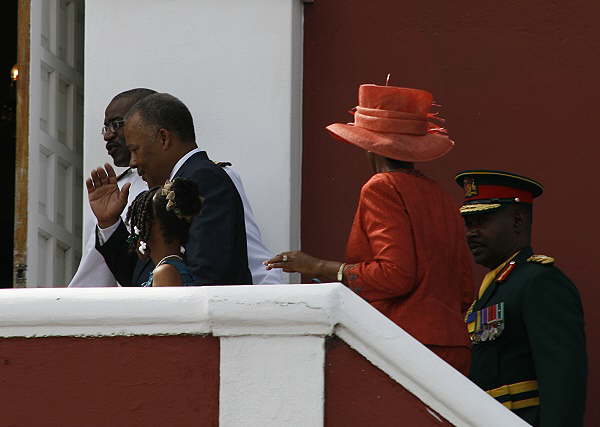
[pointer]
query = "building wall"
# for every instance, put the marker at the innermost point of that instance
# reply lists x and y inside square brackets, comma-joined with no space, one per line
[180,381]
[117,381]
[358,394]
[252,356]
[235,64]
[518,83]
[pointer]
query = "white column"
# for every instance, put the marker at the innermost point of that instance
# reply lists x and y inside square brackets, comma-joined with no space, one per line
[272,381]
[236,64]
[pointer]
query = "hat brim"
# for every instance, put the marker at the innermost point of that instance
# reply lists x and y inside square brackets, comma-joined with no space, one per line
[476,208]
[407,148]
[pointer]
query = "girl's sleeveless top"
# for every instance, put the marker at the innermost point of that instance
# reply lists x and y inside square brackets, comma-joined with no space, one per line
[186,276]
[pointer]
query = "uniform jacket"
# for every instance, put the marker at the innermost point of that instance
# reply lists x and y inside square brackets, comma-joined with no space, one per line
[542,339]
[409,257]
[216,250]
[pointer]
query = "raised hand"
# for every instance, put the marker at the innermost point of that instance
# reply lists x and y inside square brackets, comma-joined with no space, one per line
[106,199]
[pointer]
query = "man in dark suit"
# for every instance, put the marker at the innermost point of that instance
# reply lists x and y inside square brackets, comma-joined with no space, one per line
[159,133]
[527,325]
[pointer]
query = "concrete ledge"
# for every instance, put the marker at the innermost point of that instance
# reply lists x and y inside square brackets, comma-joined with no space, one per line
[217,310]
[284,310]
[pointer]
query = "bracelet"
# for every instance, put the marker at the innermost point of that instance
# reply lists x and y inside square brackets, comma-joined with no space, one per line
[340,273]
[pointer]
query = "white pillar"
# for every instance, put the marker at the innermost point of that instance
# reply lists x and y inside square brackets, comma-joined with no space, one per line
[236,64]
[272,381]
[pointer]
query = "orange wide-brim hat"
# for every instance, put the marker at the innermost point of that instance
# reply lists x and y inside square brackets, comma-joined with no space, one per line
[395,122]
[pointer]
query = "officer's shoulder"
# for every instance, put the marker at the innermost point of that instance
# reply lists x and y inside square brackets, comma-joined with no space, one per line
[539,264]
[541,259]
[541,270]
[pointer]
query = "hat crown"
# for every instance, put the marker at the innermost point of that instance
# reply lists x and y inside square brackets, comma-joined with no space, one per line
[395,122]
[392,98]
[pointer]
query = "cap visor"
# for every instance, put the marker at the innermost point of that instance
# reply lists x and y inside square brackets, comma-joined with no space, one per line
[478,208]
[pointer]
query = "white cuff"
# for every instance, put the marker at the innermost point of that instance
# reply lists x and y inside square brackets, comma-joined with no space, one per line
[105,233]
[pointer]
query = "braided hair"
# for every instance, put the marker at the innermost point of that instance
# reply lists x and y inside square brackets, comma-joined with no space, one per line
[175,205]
[140,217]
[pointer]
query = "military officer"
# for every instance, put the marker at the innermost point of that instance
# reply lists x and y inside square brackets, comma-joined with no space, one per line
[526,325]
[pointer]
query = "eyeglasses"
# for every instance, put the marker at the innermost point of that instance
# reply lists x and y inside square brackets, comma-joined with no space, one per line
[112,126]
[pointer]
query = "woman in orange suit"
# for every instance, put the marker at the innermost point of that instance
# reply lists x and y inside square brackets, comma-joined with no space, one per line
[406,253]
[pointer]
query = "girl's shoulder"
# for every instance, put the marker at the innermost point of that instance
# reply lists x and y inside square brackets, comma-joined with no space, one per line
[167,274]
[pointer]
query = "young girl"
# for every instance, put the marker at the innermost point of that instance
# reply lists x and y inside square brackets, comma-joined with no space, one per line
[159,220]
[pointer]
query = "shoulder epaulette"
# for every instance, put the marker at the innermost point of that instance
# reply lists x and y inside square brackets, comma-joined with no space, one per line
[222,164]
[540,259]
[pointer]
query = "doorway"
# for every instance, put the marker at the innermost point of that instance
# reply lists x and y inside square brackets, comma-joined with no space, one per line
[8,106]
[49,143]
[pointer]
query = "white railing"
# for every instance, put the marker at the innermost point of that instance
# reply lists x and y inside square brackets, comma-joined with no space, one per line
[252,321]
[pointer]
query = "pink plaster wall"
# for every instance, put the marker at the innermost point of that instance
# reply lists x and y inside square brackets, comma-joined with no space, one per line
[359,394]
[113,381]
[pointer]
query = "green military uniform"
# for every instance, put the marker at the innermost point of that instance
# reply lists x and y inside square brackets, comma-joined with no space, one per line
[527,329]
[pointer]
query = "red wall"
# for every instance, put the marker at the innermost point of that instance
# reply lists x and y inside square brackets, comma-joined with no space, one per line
[115,381]
[359,394]
[519,84]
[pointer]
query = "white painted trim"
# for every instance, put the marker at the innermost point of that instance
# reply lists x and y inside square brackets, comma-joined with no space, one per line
[281,310]
[272,381]
[297,71]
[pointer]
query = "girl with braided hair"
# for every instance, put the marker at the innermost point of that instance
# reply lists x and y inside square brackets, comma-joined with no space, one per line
[159,220]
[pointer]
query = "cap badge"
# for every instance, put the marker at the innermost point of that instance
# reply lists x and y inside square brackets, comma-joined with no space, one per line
[470,187]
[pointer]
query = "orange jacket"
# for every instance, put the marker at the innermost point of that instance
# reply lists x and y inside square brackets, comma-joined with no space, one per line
[409,257]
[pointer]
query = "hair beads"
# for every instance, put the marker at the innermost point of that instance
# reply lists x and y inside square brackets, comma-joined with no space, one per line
[173,205]
[140,217]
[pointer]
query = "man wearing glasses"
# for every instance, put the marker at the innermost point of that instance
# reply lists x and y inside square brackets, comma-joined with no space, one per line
[93,271]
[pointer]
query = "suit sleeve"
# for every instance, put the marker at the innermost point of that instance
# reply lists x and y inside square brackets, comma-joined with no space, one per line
[216,250]
[554,320]
[383,216]
[119,259]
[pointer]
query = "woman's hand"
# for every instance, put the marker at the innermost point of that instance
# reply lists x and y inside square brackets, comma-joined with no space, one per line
[295,262]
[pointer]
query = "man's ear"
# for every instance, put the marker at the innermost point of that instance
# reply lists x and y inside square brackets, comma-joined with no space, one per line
[165,138]
[518,220]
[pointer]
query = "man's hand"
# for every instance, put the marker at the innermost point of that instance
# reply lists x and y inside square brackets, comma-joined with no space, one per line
[106,199]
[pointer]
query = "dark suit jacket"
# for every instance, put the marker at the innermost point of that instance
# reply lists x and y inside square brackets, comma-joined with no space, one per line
[216,248]
[543,339]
